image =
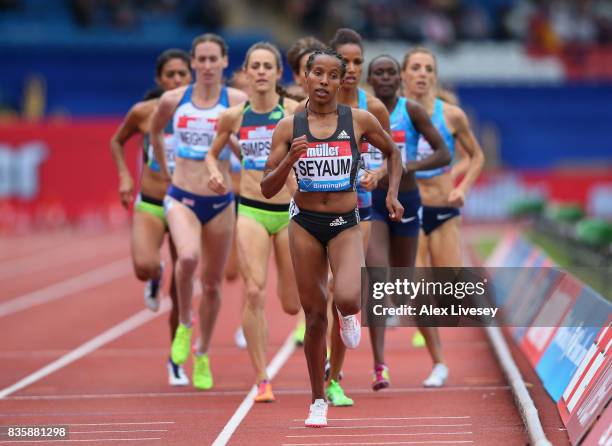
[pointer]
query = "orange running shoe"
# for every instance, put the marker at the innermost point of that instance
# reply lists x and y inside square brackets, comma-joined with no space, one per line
[264,392]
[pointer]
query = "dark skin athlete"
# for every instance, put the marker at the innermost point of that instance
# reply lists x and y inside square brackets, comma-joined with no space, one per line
[345,251]
[388,249]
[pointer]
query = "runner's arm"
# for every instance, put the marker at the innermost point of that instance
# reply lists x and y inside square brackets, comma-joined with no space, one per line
[379,138]
[422,124]
[225,128]
[126,130]
[283,155]
[465,137]
[161,117]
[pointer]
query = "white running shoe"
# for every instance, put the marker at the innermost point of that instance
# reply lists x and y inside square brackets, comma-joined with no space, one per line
[152,290]
[239,339]
[317,416]
[350,330]
[176,374]
[437,377]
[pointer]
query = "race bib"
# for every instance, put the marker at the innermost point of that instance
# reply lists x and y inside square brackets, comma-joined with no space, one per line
[325,167]
[195,136]
[255,143]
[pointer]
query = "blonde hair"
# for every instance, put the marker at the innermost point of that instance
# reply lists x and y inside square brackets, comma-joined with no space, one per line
[447,96]
[416,50]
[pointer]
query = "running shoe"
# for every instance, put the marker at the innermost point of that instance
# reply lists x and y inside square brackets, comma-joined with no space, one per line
[381,377]
[181,344]
[176,374]
[328,370]
[264,392]
[335,395]
[202,376]
[152,290]
[350,330]
[317,415]
[418,340]
[299,333]
[239,339]
[437,377]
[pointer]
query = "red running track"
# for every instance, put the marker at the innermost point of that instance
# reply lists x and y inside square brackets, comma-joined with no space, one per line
[110,385]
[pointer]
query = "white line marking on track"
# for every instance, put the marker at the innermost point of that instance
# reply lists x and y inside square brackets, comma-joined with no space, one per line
[88,439]
[121,423]
[120,431]
[276,391]
[279,360]
[386,427]
[101,396]
[90,279]
[390,442]
[393,418]
[378,434]
[109,335]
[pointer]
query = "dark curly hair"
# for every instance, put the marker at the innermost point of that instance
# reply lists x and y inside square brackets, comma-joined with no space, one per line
[326,52]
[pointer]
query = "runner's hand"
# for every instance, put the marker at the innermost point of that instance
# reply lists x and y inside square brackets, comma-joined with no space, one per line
[298,147]
[369,181]
[456,198]
[126,190]
[396,210]
[216,183]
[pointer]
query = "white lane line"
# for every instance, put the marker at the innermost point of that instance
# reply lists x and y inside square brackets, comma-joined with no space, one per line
[42,261]
[276,391]
[388,442]
[393,418]
[387,427]
[71,440]
[102,396]
[121,423]
[279,360]
[90,279]
[119,431]
[109,335]
[378,434]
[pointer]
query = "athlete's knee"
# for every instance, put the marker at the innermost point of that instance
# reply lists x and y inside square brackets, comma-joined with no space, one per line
[211,290]
[187,262]
[255,296]
[146,269]
[316,320]
[290,306]
[347,296]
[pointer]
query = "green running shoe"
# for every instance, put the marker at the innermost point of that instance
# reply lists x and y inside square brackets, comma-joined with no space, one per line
[418,341]
[335,395]
[299,333]
[202,377]
[181,345]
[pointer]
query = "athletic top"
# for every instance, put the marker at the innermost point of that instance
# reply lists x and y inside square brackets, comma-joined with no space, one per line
[424,149]
[365,196]
[195,127]
[255,135]
[362,104]
[403,133]
[330,164]
[149,154]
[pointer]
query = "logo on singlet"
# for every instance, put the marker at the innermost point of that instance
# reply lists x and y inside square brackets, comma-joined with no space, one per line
[343,135]
[275,115]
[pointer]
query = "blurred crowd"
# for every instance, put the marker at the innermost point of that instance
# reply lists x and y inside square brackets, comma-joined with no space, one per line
[542,24]
[545,24]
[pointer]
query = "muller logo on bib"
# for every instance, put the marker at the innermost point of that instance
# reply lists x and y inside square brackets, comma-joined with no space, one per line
[323,149]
